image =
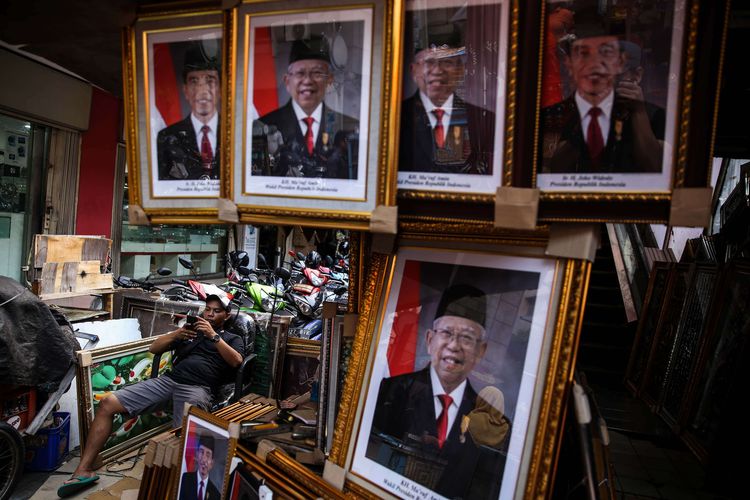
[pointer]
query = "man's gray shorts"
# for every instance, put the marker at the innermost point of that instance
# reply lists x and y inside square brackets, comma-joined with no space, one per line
[156,393]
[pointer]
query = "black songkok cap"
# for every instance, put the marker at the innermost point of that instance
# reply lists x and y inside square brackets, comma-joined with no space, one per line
[439,39]
[464,301]
[201,57]
[207,441]
[315,47]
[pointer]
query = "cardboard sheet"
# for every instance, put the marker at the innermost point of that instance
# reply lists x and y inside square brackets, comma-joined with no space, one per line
[384,220]
[137,216]
[227,210]
[573,241]
[691,207]
[516,208]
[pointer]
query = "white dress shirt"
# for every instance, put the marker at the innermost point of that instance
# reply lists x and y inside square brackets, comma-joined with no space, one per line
[212,124]
[447,108]
[457,396]
[604,118]
[317,115]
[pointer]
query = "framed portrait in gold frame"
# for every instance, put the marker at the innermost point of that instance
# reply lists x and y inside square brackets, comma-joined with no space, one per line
[454,76]
[650,72]
[208,445]
[494,332]
[173,71]
[307,105]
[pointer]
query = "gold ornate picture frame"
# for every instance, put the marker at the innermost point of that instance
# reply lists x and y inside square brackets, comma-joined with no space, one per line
[658,99]
[459,60]
[208,445]
[533,313]
[627,70]
[173,72]
[341,172]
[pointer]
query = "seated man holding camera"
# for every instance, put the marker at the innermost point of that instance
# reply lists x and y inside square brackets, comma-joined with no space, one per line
[205,357]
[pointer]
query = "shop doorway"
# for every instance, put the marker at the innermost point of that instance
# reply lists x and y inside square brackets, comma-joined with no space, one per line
[22,150]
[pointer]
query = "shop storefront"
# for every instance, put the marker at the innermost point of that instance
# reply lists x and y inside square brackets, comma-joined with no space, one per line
[389,250]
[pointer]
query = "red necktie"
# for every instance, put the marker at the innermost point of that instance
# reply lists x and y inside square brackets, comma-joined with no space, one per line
[207,156]
[309,135]
[442,421]
[594,138]
[200,491]
[438,130]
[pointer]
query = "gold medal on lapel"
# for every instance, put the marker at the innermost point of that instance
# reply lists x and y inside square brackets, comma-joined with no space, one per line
[464,427]
[618,130]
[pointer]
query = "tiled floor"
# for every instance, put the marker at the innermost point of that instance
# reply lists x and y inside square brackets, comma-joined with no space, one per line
[119,480]
[644,469]
[649,461]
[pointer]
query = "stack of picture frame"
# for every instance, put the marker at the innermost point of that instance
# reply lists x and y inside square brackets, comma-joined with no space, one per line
[692,341]
[330,115]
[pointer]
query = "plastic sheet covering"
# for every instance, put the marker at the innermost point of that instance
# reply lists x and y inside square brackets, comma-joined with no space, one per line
[34,349]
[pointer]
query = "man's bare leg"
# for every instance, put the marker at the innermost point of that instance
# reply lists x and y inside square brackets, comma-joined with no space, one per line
[99,431]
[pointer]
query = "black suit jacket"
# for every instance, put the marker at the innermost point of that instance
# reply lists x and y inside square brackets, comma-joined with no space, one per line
[405,412]
[178,153]
[468,147]
[335,154]
[564,149]
[189,488]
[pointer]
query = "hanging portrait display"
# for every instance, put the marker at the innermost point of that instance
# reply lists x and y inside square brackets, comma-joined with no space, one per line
[454,76]
[173,96]
[610,96]
[307,109]
[320,62]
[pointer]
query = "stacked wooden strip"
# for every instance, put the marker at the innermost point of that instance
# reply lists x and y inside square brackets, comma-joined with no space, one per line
[161,467]
[250,407]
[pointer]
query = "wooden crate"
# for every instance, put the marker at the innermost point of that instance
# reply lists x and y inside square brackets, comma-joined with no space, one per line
[71,265]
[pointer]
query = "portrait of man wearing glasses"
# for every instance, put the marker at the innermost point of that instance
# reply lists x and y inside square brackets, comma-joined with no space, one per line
[440,132]
[305,137]
[188,149]
[422,417]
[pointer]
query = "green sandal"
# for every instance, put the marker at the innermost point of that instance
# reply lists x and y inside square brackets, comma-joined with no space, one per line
[76,484]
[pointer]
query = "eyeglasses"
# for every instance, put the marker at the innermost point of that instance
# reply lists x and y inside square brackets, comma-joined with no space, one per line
[464,339]
[316,75]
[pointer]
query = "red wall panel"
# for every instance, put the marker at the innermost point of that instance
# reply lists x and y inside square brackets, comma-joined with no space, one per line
[96,180]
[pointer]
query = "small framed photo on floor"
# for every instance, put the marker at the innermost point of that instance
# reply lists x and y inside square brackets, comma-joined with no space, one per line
[208,445]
